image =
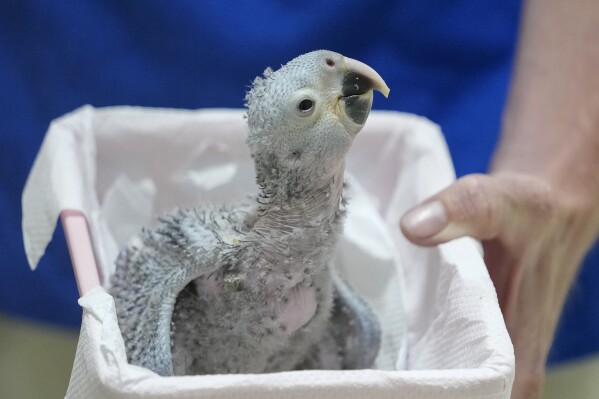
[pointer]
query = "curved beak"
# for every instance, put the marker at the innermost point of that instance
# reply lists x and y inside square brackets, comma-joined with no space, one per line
[360,78]
[359,82]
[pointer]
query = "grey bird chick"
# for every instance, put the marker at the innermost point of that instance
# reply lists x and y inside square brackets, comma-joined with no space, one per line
[248,288]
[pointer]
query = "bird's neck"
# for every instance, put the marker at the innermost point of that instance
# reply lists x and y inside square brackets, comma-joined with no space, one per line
[300,198]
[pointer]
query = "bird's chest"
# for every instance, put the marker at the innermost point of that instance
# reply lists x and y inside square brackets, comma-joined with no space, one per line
[274,296]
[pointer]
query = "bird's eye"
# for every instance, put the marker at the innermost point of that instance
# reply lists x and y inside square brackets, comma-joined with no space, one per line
[305,106]
[304,102]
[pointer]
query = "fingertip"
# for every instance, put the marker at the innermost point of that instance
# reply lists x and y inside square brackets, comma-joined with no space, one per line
[473,206]
[450,232]
[424,221]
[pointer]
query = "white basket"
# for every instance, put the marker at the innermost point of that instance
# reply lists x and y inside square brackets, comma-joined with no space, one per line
[114,168]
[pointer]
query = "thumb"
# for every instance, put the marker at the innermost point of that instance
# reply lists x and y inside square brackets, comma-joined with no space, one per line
[472,206]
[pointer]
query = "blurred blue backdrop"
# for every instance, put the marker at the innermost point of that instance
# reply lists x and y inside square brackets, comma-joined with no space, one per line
[447,60]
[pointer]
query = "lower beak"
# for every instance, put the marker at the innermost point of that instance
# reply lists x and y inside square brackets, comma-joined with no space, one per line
[356,94]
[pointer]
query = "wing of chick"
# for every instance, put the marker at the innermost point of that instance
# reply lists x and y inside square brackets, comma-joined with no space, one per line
[156,266]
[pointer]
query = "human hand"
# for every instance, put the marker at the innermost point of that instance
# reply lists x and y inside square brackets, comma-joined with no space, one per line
[534,239]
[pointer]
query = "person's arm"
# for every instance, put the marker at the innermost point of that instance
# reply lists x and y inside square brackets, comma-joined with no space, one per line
[537,212]
[551,124]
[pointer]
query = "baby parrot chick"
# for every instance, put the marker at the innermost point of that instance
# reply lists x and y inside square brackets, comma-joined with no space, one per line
[249,287]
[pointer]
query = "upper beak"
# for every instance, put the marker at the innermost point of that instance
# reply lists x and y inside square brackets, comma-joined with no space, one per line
[360,78]
[356,93]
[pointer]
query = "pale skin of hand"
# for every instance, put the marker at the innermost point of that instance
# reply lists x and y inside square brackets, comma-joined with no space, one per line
[537,211]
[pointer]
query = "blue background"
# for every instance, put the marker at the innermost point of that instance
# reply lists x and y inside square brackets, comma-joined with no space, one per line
[447,60]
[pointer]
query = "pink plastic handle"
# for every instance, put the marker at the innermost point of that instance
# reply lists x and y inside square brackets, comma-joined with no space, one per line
[80,248]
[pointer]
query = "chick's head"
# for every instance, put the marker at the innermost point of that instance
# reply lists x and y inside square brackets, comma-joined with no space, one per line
[307,113]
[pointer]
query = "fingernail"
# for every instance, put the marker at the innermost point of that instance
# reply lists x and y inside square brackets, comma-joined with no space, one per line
[426,220]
